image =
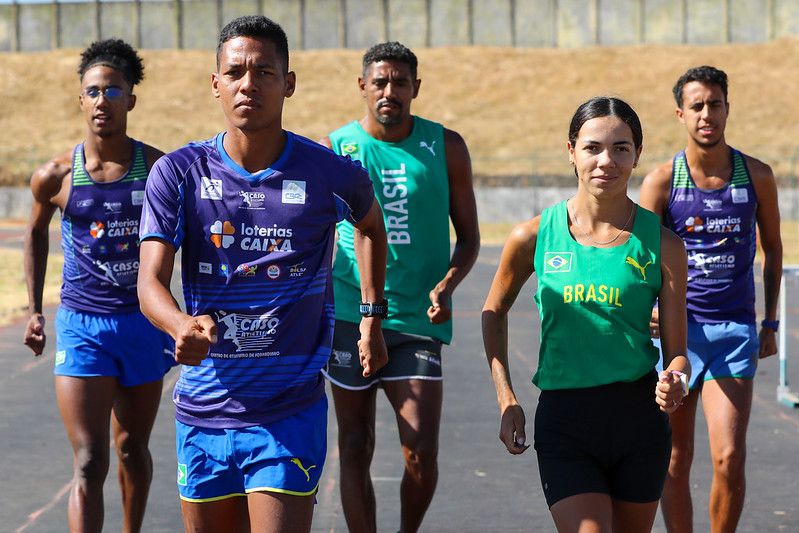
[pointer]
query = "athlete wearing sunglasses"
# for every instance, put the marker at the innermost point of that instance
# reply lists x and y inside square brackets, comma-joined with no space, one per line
[112,94]
[109,360]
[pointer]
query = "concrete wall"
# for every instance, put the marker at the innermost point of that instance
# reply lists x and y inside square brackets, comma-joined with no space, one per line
[315,24]
[494,204]
[515,204]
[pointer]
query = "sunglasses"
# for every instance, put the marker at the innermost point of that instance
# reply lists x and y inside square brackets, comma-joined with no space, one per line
[112,94]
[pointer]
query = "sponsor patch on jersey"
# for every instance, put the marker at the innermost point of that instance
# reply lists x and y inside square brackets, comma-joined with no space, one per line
[273,271]
[296,271]
[222,234]
[113,207]
[205,268]
[97,229]
[60,357]
[249,332]
[119,273]
[224,269]
[740,196]
[85,203]
[252,200]
[293,192]
[122,228]
[210,189]
[137,197]
[349,148]
[246,270]
[557,262]
[694,224]
[712,204]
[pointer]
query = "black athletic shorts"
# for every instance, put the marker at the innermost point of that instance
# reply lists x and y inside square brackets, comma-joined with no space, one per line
[409,357]
[612,439]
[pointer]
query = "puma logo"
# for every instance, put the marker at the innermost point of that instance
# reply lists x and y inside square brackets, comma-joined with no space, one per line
[305,470]
[424,144]
[633,262]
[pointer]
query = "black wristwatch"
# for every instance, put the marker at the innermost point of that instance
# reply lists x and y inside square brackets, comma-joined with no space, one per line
[769,324]
[368,309]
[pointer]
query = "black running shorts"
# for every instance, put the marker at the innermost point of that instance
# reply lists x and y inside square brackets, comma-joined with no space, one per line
[612,439]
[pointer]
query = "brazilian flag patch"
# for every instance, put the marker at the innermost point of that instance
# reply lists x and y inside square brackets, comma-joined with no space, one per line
[349,148]
[557,262]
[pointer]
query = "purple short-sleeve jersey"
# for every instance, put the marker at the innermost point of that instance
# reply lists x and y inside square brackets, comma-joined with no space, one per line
[256,257]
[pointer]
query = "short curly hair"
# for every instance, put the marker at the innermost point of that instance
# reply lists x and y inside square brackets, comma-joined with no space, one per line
[704,75]
[114,53]
[391,50]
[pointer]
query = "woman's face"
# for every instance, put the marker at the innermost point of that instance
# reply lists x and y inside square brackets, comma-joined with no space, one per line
[604,155]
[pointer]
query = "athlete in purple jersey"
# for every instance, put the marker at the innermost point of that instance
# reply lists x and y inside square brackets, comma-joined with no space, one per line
[109,360]
[713,197]
[254,210]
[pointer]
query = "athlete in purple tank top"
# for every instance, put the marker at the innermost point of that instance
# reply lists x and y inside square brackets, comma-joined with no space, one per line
[108,358]
[717,199]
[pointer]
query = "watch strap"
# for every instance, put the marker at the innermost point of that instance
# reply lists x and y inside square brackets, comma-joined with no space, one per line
[370,309]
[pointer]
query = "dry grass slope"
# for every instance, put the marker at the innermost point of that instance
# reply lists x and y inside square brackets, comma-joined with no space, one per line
[509,104]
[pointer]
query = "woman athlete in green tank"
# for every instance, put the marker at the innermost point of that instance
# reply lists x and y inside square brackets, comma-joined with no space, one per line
[602,434]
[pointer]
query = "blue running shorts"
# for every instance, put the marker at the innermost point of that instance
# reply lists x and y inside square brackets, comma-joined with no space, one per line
[724,350]
[285,456]
[125,345]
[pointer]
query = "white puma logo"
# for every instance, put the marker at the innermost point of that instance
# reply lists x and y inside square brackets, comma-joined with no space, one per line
[424,144]
[305,470]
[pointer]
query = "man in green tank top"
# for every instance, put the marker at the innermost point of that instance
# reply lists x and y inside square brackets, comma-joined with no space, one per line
[423,180]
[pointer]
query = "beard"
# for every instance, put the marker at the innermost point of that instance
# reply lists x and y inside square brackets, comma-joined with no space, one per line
[705,142]
[393,118]
[389,120]
[708,143]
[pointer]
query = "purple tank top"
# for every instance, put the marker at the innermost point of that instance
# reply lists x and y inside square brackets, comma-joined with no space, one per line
[718,228]
[99,236]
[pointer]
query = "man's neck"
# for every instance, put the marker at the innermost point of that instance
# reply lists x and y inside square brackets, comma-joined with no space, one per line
[254,151]
[113,148]
[107,158]
[710,166]
[387,133]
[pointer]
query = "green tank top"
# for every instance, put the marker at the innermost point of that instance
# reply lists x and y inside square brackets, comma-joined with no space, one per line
[412,186]
[595,304]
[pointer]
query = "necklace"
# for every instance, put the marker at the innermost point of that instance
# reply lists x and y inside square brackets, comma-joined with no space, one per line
[611,241]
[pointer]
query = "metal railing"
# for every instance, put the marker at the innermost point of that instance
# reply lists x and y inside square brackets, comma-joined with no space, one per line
[784,394]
